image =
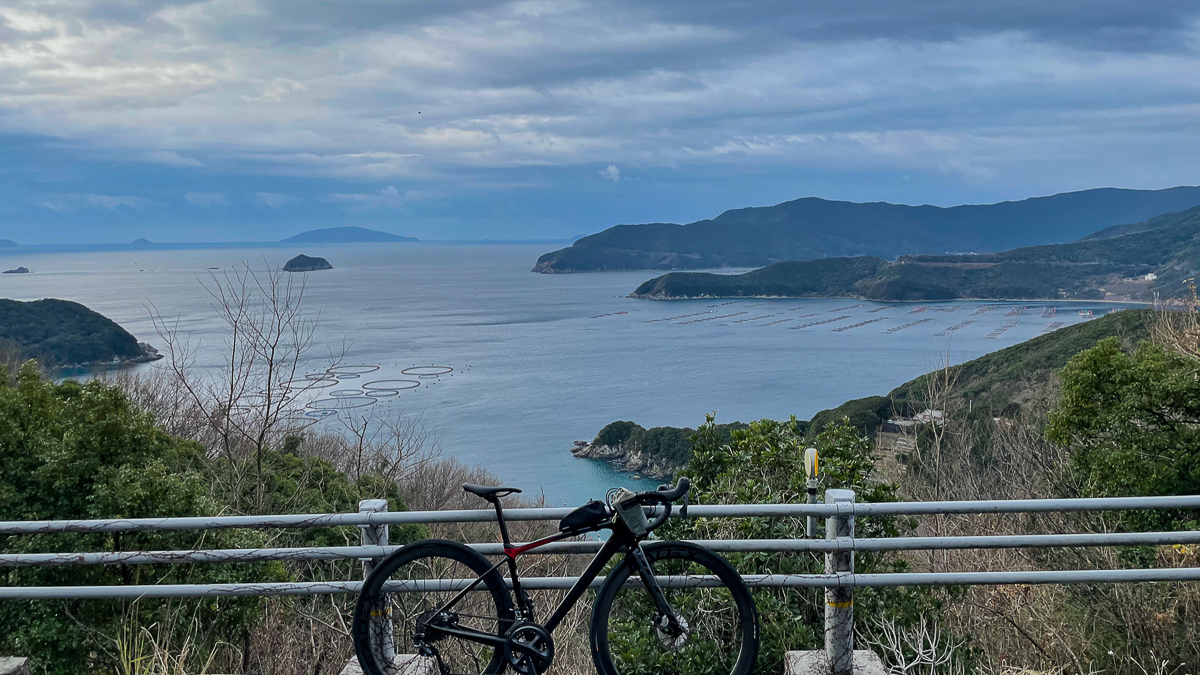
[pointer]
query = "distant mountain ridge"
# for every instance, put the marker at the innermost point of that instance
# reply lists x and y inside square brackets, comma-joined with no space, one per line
[7,243]
[1140,260]
[345,235]
[812,228]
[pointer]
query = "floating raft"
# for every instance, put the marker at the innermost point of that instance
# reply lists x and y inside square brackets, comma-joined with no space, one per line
[842,309]
[1053,326]
[722,304]
[880,309]
[819,323]
[1015,311]
[1001,330]
[918,310]
[910,324]
[601,316]
[982,309]
[859,324]
[712,318]
[1049,312]
[755,318]
[951,330]
[676,318]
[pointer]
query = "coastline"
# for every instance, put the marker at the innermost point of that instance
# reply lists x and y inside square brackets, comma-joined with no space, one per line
[659,298]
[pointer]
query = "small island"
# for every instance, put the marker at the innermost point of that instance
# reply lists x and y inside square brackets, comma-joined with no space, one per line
[19,270]
[304,263]
[7,243]
[142,242]
[345,235]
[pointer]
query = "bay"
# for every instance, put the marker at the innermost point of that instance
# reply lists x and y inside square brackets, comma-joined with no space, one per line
[539,361]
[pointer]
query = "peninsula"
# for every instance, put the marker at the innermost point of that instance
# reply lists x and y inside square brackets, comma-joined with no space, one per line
[61,333]
[345,235]
[813,228]
[304,263]
[1128,263]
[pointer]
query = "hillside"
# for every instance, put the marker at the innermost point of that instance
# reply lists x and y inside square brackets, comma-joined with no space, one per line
[811,228]
[60,333]
[344,235]
[994,383]
[1112,268]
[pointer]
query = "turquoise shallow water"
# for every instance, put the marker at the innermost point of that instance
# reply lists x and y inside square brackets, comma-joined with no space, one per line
[542,360]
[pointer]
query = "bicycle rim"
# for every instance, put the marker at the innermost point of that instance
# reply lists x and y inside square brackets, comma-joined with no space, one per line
[414,615]
[721,636]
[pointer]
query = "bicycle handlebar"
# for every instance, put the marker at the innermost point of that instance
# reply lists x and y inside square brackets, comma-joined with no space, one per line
[665,495]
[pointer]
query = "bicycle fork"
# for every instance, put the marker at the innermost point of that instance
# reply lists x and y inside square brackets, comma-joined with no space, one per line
[665,621]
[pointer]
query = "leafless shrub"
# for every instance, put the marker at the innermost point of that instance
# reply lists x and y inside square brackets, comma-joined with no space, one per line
[1177,325]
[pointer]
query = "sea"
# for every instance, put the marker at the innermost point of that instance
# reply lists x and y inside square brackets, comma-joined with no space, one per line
[506,368]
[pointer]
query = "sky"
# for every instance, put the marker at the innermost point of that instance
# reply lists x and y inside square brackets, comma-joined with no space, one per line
[252,120]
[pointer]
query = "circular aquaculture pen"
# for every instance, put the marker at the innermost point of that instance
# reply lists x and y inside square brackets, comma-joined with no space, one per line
[307,382]
[391,385]
[351,370]
[427,371]
[345,393]
[346,403]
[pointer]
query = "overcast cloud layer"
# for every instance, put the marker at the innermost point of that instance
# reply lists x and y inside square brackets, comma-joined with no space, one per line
[254,119]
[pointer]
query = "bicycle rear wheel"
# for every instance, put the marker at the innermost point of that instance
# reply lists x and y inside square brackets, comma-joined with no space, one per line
[715,606]
[414,616]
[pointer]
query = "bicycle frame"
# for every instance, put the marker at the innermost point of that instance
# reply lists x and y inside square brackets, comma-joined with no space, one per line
[621,540]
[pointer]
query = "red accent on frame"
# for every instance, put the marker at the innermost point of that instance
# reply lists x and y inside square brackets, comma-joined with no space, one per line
[515,551]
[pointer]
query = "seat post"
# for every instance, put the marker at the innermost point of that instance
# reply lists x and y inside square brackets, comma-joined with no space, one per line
[500,519]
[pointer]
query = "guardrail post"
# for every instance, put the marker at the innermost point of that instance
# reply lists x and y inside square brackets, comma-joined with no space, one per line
[839,600]
[381,617]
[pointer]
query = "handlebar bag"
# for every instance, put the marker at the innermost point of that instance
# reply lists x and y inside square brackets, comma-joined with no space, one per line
[591,513]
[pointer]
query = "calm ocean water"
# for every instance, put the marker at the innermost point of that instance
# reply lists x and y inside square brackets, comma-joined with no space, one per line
[542,360]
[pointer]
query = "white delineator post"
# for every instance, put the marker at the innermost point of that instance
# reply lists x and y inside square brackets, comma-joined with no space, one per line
[810,468]
[839,600]
[381,617]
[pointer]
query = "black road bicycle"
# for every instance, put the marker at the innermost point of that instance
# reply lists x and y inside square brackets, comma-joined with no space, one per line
[666,607]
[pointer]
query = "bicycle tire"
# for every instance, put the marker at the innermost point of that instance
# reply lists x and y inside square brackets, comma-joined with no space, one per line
[417,561]
[634,647]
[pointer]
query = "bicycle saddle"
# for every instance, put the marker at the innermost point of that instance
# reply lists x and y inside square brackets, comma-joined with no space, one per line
[489,491]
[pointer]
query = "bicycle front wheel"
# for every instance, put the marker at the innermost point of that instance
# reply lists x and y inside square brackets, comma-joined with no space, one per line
[402,610]
[711,602]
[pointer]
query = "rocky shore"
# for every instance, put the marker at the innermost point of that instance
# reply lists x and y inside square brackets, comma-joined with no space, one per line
[625,458]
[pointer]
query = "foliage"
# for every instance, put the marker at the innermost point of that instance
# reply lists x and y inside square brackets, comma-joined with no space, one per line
[671,446]
[73,451]
[764,463]
[813,228]
[1132,423]
[83,451]
[60,332]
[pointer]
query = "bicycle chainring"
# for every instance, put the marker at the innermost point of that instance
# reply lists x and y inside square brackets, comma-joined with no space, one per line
[528,649]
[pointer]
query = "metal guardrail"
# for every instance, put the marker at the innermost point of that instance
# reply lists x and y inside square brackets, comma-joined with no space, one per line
[839,548]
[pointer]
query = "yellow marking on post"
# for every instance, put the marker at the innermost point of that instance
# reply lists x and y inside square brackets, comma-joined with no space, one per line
[841,605]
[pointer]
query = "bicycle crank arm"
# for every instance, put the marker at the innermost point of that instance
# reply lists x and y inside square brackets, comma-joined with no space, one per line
[471,634]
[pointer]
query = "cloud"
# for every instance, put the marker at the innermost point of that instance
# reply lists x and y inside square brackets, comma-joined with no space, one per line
[385,197]
[272,200]
[206,199]
[377,93]
[71,202]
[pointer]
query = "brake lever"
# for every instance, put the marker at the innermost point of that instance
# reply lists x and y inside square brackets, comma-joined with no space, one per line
[683,509]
